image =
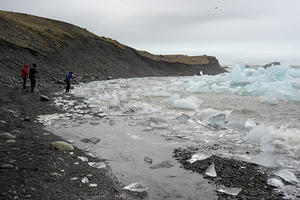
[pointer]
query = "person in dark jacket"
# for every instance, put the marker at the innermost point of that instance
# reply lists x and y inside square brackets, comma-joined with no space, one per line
[68,81]
[24,74]
[32,76]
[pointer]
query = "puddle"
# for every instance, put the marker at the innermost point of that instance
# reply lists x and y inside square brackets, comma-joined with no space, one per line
[125,148]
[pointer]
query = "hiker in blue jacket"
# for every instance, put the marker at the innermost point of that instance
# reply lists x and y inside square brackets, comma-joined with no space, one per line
[68,81]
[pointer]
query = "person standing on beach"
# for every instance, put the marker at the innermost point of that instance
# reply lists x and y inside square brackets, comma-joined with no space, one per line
[24,74]
[32,74]
[68,81]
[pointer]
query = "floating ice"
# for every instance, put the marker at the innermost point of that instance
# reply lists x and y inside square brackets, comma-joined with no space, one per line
[198,156]
[269,99]
[211,116]
[238,124]
[229,191]
[276,182]
[136,187]
[287,175]
[190,103]
[260,135]
[211,171]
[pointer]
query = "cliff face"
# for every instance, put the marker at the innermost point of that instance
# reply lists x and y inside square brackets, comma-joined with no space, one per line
[59,47]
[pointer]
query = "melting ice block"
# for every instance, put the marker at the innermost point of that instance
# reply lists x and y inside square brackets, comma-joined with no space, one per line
[269,99]
[230,191]
[211,171]
[260,135]
[265,159]
[287,175]
[275,182]
[190,103]
[198,156]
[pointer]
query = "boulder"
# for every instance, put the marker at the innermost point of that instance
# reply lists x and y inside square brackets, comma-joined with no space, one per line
[61,145]
[44,98]
[7,136]
[148,160]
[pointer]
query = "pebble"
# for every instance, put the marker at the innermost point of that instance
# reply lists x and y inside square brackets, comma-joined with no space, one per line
[61,145]
[7,136]
[10,141]
[44,98]
[148,160]
[163,164]
[93,140]
[16,132]
[6,166]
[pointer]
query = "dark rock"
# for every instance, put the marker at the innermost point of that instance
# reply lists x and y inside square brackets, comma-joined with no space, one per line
[163,164]
[271,64]
[93,140]
[148,160]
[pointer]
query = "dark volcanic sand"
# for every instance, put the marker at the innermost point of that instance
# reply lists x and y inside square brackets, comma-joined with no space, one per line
[231,173]
[37,169]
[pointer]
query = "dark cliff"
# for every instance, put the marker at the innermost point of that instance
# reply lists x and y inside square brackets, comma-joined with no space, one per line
[59,47]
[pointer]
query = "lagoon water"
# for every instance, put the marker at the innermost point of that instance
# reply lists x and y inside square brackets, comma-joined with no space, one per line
[247,114]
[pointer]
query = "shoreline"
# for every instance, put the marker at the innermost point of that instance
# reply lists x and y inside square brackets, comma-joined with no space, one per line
[30,169]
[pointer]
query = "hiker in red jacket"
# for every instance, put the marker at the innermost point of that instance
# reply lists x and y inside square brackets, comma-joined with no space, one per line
[24,75]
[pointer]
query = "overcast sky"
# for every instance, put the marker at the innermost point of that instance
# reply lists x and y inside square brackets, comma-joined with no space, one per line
[247,31]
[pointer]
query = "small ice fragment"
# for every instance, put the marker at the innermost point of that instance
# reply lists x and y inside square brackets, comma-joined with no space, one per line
[250,123]
[211,171]
[198,156]
[93,155]
[217,121]
[276,182]
[76,163]
[83,159]
[269,99]
[136,187]
[85,180]
[230,191]
[287,175]
[74,178]
[265,159]
[97,165]
[71,153]
[190,103]
[93,185]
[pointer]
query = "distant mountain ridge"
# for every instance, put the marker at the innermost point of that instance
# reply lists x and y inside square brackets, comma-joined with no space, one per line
[58,47]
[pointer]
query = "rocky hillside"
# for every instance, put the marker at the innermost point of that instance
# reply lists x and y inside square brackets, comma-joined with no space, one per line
[59,47]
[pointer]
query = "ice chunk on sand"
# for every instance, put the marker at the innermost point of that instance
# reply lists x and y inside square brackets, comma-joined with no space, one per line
[211,171]
[287,175]
[136,187]
[269,99]
[265,159]
[276,182]
[198,156]
[230,191]
[190,103]
[85,180]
